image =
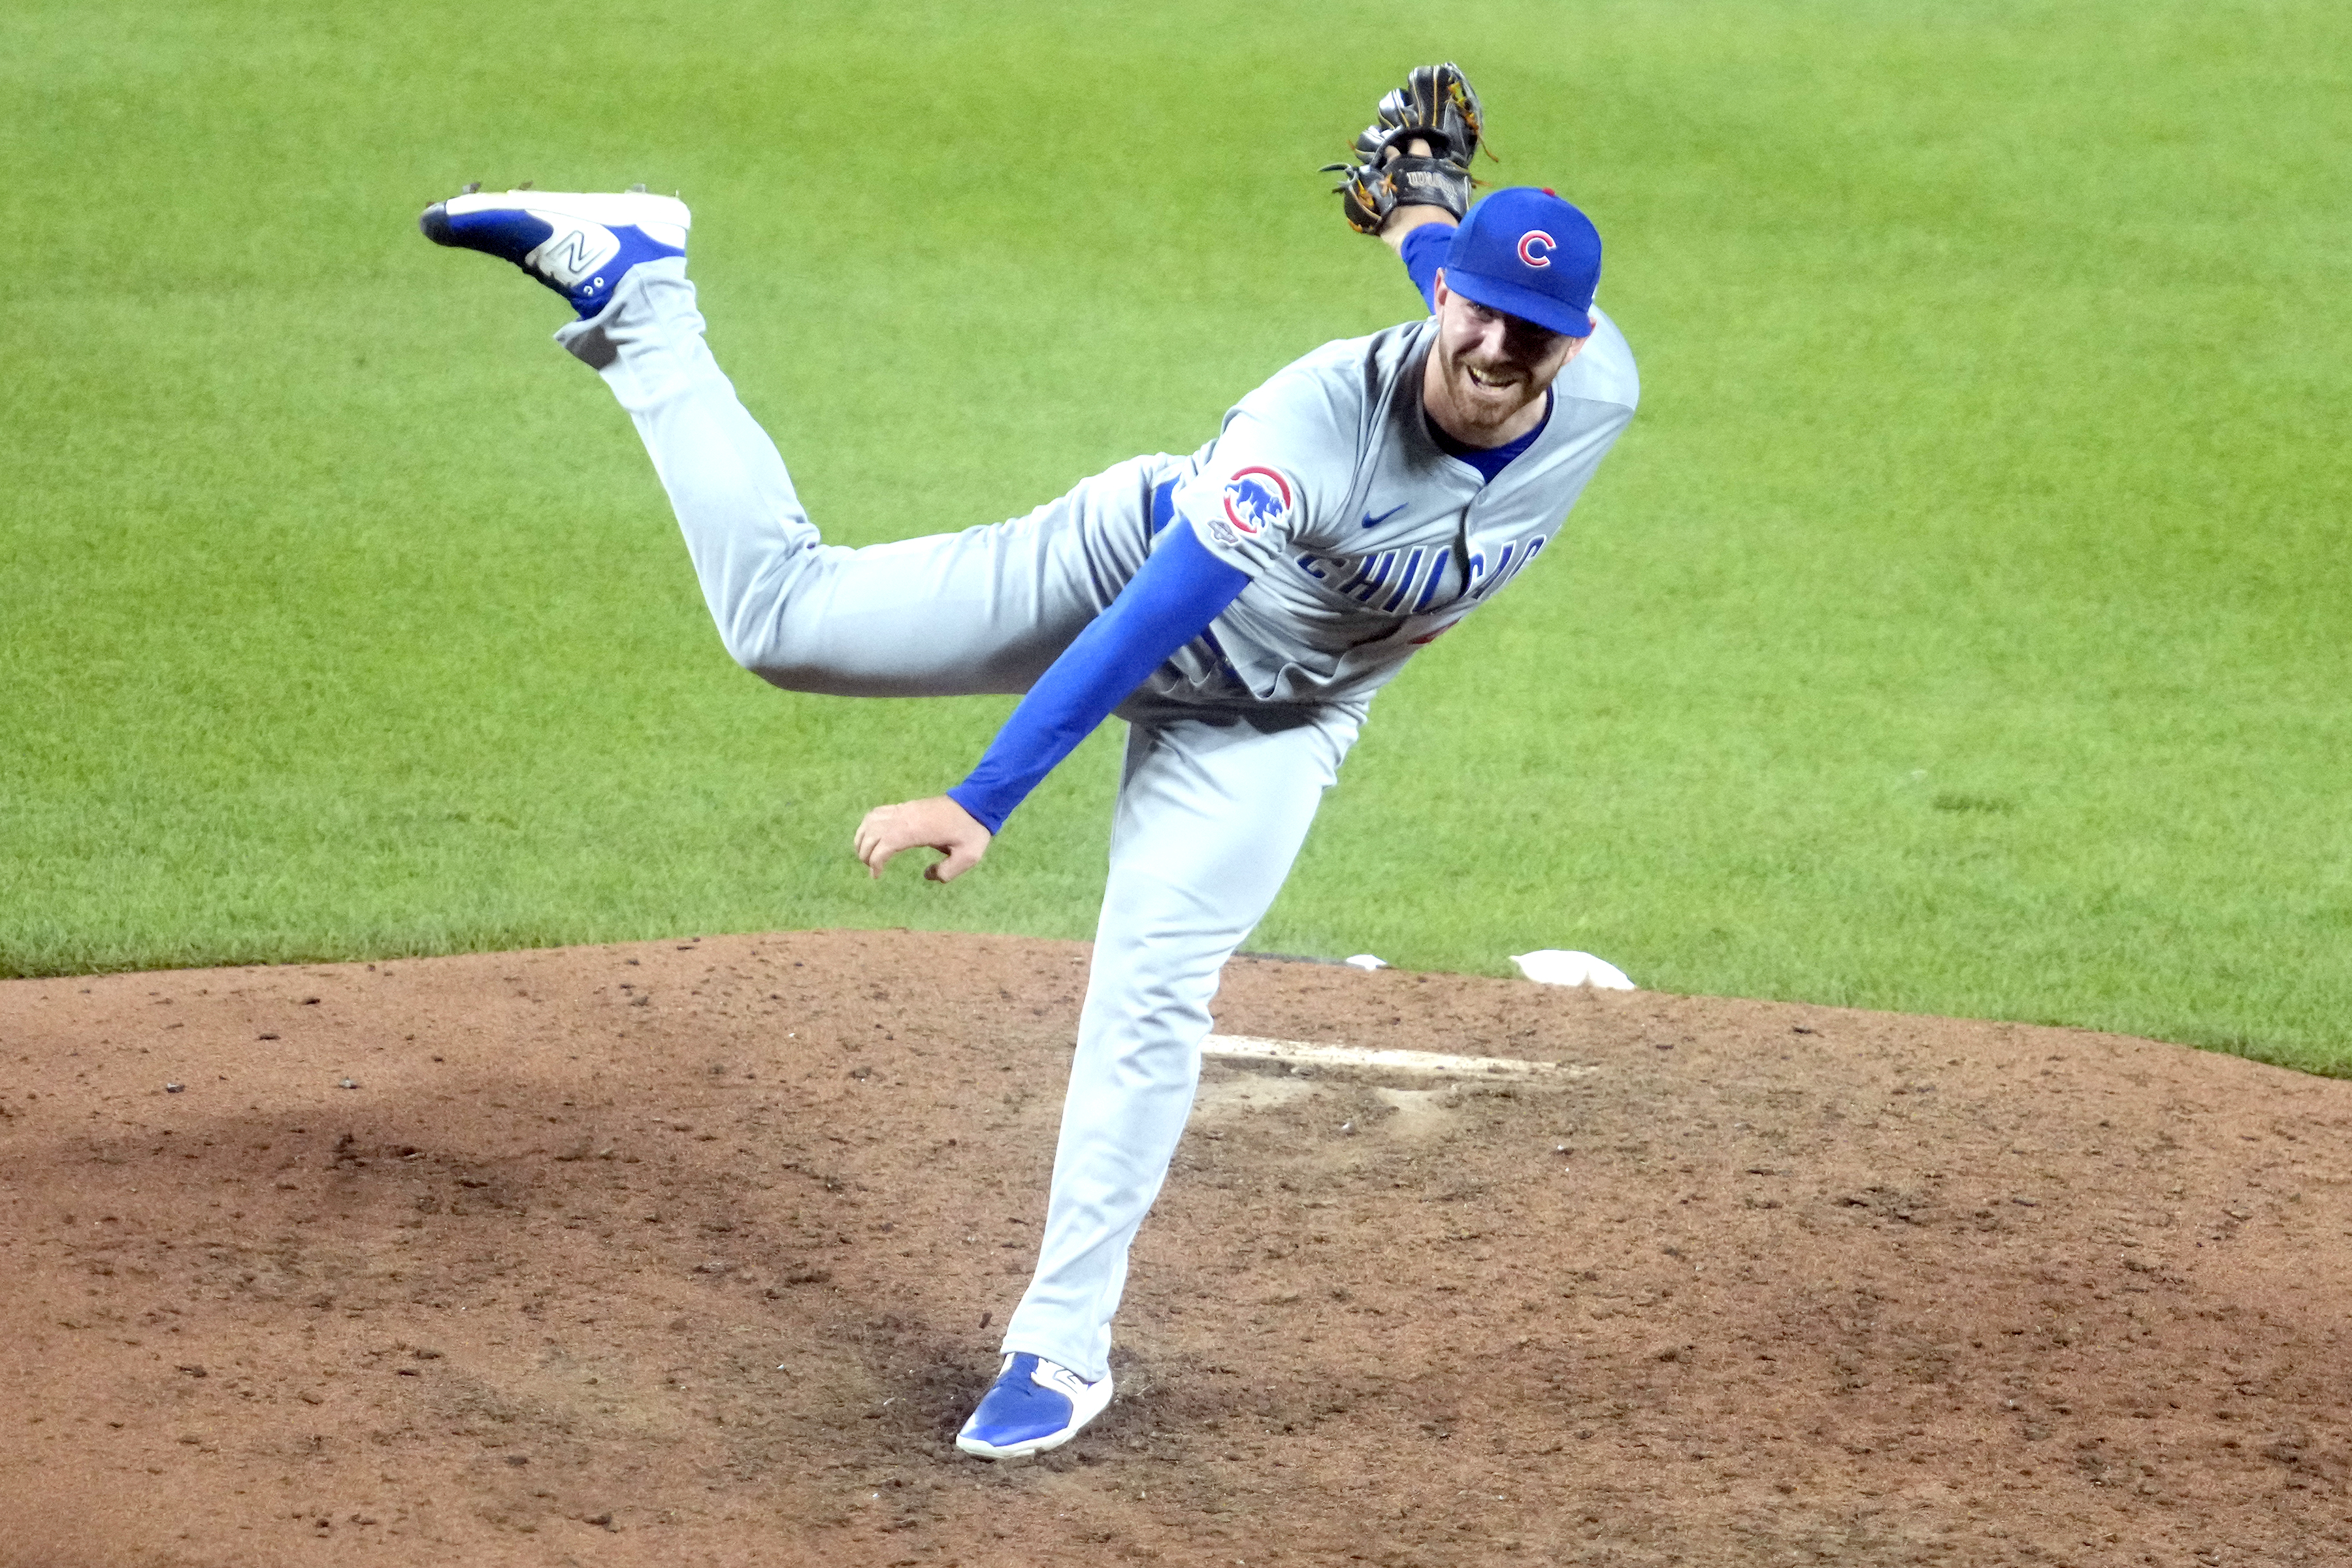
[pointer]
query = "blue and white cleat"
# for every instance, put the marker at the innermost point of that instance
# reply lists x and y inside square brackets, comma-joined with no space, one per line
[579,246]
[1035,1404]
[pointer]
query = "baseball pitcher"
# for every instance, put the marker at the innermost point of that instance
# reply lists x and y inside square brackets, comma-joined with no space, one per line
[1238,606]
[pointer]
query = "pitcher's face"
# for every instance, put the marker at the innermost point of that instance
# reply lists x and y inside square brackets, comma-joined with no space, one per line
[1490,366]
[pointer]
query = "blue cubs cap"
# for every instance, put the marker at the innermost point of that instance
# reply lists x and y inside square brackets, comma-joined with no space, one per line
[1528,254]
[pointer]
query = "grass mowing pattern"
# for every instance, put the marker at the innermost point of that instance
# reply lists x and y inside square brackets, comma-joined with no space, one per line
[1962,626]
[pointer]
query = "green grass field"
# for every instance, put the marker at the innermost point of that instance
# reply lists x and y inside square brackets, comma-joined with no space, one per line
[1963,626]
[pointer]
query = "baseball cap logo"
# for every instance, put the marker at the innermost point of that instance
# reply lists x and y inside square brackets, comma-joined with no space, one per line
[1536,248]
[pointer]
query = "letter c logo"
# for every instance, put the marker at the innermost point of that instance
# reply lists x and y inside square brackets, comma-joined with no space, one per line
[1536,248]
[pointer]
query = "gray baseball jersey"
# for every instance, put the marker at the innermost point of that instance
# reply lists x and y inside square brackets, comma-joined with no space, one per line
[1362,537]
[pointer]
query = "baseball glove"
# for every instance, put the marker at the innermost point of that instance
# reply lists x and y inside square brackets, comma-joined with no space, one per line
[1436,106]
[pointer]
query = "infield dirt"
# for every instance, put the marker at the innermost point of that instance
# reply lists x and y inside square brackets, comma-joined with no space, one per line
[696,1252]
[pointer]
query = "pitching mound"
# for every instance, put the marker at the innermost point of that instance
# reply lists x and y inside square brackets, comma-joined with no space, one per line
[694,1252]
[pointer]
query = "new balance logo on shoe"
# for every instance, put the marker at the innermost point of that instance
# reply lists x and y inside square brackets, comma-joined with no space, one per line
[573,251]
[1050,1375]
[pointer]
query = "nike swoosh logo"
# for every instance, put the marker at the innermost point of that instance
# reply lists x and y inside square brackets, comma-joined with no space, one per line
[1371,521]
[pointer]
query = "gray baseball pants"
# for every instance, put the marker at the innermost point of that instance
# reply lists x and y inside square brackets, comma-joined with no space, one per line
[1214,802]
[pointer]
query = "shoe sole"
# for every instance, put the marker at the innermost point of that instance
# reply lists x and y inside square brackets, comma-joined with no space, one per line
[661,218]
[980,1450]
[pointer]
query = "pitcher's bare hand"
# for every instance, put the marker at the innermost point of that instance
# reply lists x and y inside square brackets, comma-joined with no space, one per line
[938,824]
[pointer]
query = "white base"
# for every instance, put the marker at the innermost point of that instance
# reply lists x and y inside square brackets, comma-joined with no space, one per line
[1247,1047]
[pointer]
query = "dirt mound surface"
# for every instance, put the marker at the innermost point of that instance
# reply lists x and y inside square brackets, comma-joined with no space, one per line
[690,1253]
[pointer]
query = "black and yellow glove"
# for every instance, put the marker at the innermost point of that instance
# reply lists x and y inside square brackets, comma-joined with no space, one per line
[1436,106]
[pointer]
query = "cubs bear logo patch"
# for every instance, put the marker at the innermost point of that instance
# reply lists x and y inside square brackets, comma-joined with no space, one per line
[1255,499]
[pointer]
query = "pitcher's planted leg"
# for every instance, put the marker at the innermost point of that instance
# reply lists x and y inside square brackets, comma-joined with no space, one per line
[1212,812]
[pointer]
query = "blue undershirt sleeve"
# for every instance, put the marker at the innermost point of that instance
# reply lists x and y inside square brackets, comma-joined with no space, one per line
[1424,253]
[1171,600]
